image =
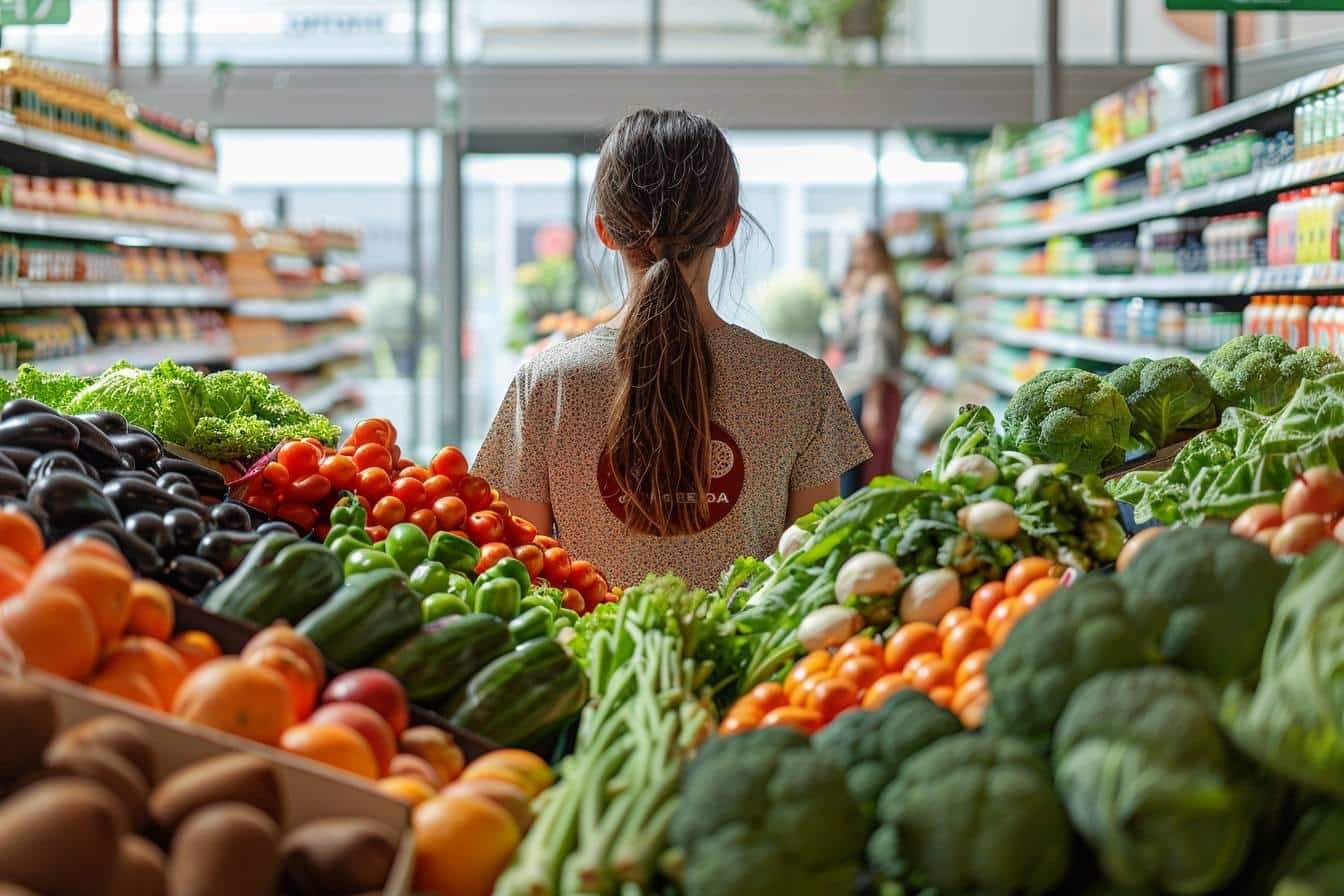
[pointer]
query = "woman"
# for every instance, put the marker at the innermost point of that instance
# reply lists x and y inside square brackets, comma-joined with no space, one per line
[865,353]
[668,439]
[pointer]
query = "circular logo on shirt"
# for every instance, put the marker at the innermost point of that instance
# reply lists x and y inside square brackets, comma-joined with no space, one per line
[727,473]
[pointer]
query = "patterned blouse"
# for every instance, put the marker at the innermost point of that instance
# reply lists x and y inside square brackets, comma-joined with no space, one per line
[867,333]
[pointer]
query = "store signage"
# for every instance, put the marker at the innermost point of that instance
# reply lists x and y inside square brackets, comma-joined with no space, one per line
[1258,5]
[325,23]
[34,12]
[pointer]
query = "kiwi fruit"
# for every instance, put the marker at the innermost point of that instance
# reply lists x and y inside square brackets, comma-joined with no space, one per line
[233,777]
[107,768]
[228,849]
[30,722]
[125,737]
[59,837]
[140,869]
[338,857]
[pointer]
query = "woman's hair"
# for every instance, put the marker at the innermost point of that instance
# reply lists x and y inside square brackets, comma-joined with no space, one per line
[667,189]
[875,239]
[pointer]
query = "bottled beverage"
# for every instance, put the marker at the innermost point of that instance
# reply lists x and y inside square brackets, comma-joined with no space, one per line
[1316,332]
[1296,320]
[1250,319]
[1171,324]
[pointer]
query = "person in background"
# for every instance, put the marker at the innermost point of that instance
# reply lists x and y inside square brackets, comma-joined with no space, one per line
[669,439]
[865,353]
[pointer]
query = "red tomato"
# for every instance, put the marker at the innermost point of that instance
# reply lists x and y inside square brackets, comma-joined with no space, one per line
[373,431]
[264,503]
[475,492]
[581,574]
[300,458]
[274,477]
[340,471]
[491,554]
[499,507]
[373,483]
[545,542]
[485,527]
[376,533]
[372,455]
[347,450]
[424,518]
[450,462]
[437,486]
[531,556]
[389,511]
[766,696]
[413,470]
[557,565]
[410,491]
[594,593]
[301,515]
[450,512]
[573,600]
[308,490]
[518,531]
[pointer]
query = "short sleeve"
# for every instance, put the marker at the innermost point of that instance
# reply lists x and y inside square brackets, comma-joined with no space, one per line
[514,456]
[832,442]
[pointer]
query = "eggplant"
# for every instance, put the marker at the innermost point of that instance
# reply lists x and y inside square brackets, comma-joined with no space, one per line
[94,445]
[185,530]
[13,484]
[231,517]
[21,458]
[150,528]
[142,450]
[55,462]
[131,428]
[167,479]
[226,549]
[39,431]
[190,575]
[276,526]
[20,406]
[110,422]
[183,490]
[7,464]
[144,559]
[207,481]
[138,475]
[70,501]
[131,495]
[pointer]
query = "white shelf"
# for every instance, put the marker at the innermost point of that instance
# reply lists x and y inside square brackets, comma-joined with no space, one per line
[939,372]
[304,358]
[1257,183]
[1326,275]
[109,158]
[1082,346]
[299,310]
[1191,129]
[13,220]
[141,355]
[999,382]
[153,295]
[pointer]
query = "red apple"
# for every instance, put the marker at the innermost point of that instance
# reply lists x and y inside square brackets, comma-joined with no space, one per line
[367,724]
[376,689]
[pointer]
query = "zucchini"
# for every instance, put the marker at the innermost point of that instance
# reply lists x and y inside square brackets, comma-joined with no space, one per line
[521,696]
[370,614]
[442,656]
[280,578]
[532,624]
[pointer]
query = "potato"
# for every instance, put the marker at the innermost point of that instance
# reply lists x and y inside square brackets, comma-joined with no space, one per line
[233,777]
[30,721]
[338,856]
[59,837]
[228,849]
[14,890]
[140,869]
[108,769]
[125,737]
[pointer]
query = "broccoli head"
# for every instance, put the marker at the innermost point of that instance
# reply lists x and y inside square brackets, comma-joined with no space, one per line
[1080,632]
[762,813]
[1164,397]
[1068,416]
[1206,598]
[871,746]
[1261,372]
[1150,782]
[1312,861]
[972,814]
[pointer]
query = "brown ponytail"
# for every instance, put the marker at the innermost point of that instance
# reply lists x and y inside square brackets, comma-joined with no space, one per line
[666,189]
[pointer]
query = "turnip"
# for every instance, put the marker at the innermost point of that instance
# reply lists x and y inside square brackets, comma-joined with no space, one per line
[990,519]
[828,626]
[975,470]
[1033,476]
[930,595]
[866,574]
[792,540]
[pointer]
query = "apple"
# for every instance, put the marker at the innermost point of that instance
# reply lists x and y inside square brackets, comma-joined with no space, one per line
[376,689]
[437,748]
[364,722]
[415,767]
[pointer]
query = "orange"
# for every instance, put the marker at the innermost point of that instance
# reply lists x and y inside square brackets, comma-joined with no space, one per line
[1036,593]
[986,598]
[884,687]
[463,842]
[20,534]
[132,686]
[508,796]
[330,744]
[805,720]
[1004,617]
[155,660]
[859,645]
[233,696]
[974,664]
[748,711]
[195,647]
[973,714]
[55,630]
[860,671]
[965,639]
[736,725]
[407,788]
[805,668]
[537,771]
[909,640]
[14,571]
[280,633]
[151,610]
[768,695]
[298,676]
[942,695]
[1024,572]
[951,619]
[832,697]
[803,693]
[103,584]
[438,748]
[968,693]
[928,671]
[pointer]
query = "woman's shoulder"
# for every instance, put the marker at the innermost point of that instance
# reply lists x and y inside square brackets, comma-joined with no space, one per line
[774,356]
[592,351]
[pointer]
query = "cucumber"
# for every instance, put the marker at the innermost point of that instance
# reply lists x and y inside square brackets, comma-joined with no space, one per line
[442,656]
[521,696]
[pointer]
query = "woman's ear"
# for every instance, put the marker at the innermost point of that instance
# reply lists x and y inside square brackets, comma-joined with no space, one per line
[601,227]
[730,229]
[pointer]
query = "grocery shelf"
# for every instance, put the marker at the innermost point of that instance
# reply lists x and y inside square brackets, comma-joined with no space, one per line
[938,372]
[154,295]
[1000,382]
[324,398]
[216,351]
[1258,183]
[304,358]
[1082,346]
[13,220]
[108,158]
[1183,132]
[1293,277]
[299,310]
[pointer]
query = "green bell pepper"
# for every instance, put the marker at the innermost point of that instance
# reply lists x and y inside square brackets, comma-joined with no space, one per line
[532,624]
[367,560]
[408,545]
[355,532]
[444,603]
[346,545]
[348,512]
[541,601]
[510,568]
[454,552]
[565,617]
[430,577]
[499,597]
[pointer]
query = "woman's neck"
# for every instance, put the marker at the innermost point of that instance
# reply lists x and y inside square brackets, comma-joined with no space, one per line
[697,273]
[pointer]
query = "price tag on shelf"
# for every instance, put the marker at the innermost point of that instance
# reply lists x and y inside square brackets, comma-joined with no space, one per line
[34,12]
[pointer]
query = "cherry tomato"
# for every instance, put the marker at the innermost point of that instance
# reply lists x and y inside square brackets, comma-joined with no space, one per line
[1004,617]
[274,477]
[365,503]
[581,573]
[734,725]
[1036,593]
[499,507]
[766,696]
[531,556]
[802,694]
[450,512]
[928,671]
[389,511]
[410,491]
[437,487]
[832,697]
[395,451]
[412,470]
[858,645]
[485,527]
[986,598]
[372,455]
[348,450]
[973,665]
[573,600]
[595,592]
[376,533]
[340,471]
[450,462]
[373,483]
[519,531]
[861,671]
[492,553]
[1024,572]
[968,692]
[805,668]
[475,492]
[545,542]
[300,458]
[942,694]
[301,515]
[309,490]
[373,431]
[557,565]
[265,503]
[424,518]
[316,443]
[911,639]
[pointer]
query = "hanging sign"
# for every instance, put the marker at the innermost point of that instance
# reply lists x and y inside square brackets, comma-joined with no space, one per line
[34,12]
